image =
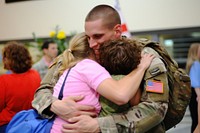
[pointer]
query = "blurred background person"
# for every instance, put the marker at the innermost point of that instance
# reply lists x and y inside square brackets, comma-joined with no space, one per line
[193,69]
[17,89]
[50,51]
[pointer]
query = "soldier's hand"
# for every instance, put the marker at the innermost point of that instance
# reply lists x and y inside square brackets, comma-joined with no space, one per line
[68,108]
[81,124]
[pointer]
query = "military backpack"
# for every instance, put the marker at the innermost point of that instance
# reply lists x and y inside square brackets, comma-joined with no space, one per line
[179,86]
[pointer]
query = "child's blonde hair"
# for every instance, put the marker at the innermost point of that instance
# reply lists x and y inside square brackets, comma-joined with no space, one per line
[78,50]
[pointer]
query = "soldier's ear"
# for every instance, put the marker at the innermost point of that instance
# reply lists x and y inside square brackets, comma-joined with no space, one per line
[118,30]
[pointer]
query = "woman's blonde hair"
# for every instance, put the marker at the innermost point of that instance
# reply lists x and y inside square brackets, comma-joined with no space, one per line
[193,55]
[78,50]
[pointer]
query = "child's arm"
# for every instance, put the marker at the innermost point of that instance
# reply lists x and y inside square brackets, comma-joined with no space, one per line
[135,100]
[121,91]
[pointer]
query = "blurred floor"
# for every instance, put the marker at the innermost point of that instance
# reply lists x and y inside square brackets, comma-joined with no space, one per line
[184,126]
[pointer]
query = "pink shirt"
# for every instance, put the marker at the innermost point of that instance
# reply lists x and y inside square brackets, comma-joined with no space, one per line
[83,79]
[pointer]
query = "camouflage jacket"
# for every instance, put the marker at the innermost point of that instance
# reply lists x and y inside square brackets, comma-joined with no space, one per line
[145,117]
[43,96]
[148,115]
[108,107]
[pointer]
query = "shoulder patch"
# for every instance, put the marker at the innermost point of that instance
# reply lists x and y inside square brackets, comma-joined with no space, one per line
[154,86]
[154,70]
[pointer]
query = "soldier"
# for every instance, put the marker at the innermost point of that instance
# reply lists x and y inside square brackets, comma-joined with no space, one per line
[102,24]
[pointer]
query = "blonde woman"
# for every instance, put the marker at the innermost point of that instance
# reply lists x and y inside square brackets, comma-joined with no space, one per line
[193,69]
[88,78]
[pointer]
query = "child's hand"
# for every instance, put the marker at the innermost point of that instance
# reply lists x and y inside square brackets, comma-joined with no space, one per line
[146,60]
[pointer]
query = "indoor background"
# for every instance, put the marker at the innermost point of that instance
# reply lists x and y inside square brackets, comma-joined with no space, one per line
[173,23]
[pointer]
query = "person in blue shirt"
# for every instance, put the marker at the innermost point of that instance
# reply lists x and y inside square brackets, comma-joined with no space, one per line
[193,69]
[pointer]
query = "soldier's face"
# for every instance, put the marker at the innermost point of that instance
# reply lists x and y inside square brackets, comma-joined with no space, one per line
[98,33]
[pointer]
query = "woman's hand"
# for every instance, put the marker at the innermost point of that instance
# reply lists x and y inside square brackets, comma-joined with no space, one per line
[146,60]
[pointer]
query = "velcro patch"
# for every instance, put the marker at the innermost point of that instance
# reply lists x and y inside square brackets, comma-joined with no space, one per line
[154,86]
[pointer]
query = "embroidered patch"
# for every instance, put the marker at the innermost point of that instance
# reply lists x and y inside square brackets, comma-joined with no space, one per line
[154,86]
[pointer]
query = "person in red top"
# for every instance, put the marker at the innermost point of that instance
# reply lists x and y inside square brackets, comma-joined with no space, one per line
[17,89]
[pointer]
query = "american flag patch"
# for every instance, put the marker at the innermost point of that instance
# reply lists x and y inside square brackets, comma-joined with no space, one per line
[154,86]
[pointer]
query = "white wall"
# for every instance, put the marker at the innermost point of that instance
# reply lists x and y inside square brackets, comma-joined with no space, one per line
[19,20]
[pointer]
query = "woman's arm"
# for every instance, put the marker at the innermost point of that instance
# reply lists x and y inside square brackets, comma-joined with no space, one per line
[121,91]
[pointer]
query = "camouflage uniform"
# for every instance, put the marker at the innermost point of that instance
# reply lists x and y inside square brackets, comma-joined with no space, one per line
[145,117]
[43,96]
[108,107]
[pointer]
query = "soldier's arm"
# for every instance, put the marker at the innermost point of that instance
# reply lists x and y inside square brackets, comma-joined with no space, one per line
[43,97]
[47,105]
[146,115]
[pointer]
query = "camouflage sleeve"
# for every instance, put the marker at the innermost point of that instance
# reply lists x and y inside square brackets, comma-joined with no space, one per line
[43,96]
[107,124]
[148,115]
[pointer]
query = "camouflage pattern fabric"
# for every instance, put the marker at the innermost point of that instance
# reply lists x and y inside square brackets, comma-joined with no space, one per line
[147,116]
[179,86]
[43,96]
[108,107]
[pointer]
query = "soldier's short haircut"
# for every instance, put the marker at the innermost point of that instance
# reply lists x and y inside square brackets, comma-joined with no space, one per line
[108,14]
